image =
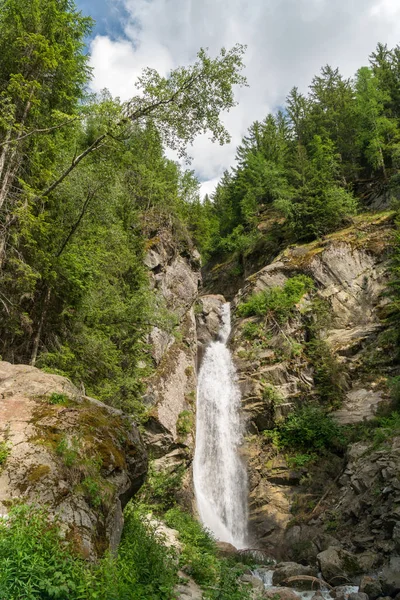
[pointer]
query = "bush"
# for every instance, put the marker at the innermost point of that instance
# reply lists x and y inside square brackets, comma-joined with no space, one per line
[220,577]
[328,373]
[35,561]
[199,549]
[185,422]
[277,302]
[310,429]
[38,564]
[161,487]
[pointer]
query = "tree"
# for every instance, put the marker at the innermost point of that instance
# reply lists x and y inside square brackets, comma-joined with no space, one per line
[375,132]
[183,105]
[42,73]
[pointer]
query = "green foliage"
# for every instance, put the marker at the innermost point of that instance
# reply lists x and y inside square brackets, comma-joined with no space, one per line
[308,163]
[277,303]
[161,487]
[4,452]
[270,394]
[394,386]
[185,422]
[37,562]
[218,577]
[301,460]
[69,451]
[328,373]
[56,398]
[310,429]
[199,551]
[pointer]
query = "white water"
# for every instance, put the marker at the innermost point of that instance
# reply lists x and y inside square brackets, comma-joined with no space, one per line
[220,478]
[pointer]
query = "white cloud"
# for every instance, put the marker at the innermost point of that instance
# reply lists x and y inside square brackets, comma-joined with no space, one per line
[288,41]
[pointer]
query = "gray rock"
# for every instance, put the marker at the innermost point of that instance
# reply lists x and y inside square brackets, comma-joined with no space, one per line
[338,566]
[371,587]
[255,582]
[390,577]
[358,596]
[283,593]
[285,571]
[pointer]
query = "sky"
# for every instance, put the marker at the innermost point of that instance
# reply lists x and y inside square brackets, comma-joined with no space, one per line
[288,41]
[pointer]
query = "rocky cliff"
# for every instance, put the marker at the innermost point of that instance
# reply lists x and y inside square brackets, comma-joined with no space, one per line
[169,428]
[334,349]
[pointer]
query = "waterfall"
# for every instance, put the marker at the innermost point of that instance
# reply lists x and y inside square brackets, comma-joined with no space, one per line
[220,477]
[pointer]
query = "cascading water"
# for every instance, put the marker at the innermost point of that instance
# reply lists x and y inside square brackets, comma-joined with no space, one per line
[220,477]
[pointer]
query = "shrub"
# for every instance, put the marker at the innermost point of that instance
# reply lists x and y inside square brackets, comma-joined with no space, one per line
[56,398]
[328,373]
[4,452]
[38,564]
[310,429]
[185,422]
[220,577]
[161,487]
[277,302]
[35,561]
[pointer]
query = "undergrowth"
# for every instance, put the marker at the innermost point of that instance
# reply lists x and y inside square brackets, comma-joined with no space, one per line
[277,302]
[38,564]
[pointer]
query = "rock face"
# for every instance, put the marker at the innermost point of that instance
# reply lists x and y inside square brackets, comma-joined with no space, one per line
[349,270]
[174,270]
[208,322]
[81,458]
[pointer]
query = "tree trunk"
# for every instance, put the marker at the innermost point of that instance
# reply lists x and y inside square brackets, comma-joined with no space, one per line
[38,335]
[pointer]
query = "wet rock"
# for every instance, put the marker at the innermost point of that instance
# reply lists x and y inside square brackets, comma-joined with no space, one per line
[358,596]
[340,592]
[285,571]
[208,318]
[283,593]
[255,582]
[318,596]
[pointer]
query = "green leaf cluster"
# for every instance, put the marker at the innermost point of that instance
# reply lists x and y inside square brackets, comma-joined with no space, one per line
[277,302]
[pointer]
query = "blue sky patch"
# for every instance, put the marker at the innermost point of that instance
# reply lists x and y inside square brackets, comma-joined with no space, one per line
[108,14]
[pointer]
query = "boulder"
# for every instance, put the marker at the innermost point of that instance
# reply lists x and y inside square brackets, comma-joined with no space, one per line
[254,582]
[82,459]
[225,549]
[338,566]
[358,596]
[286,570]
[390,577]
[283,593]
[371,587]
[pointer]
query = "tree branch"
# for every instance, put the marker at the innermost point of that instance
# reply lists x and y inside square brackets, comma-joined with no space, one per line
[75,226]
[34,131]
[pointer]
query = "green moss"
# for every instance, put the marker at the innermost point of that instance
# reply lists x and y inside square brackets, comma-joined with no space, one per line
[37,473]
